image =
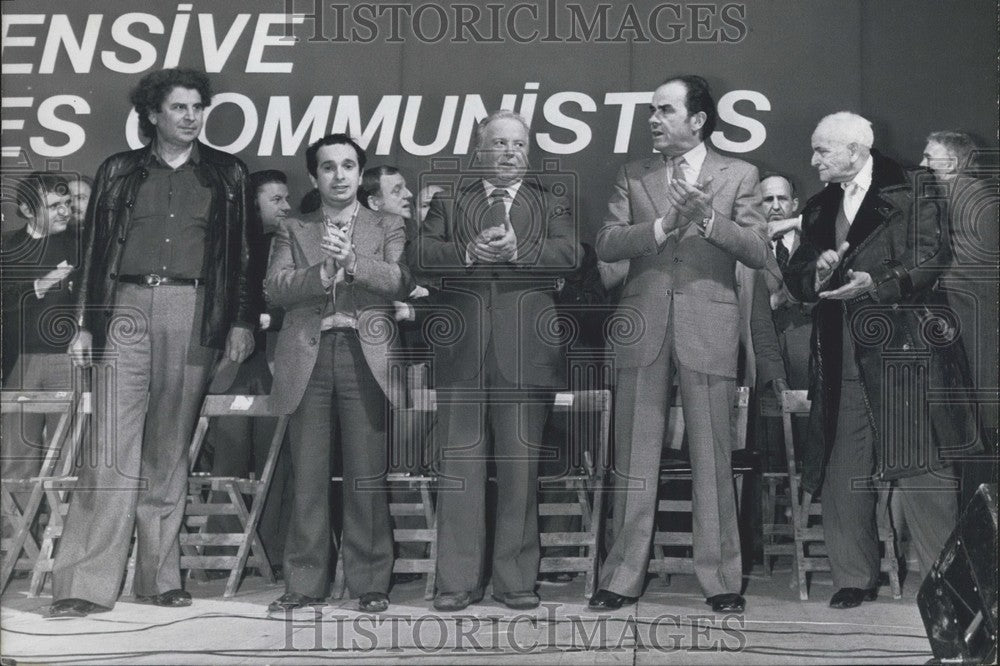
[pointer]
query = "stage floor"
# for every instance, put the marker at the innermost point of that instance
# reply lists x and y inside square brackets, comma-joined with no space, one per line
[669,624]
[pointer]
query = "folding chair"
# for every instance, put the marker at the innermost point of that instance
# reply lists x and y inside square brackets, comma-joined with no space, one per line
[810,554]
[588,484]
[677,467]
[48,484]
[202,489]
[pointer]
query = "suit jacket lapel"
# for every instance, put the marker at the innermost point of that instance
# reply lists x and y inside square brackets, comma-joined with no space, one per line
[309,236]
[654,180]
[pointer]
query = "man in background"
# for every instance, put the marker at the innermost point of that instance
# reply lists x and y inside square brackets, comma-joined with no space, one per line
[39,277]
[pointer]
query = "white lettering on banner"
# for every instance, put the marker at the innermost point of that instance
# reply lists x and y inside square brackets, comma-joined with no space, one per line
[250,120]
[348,120]
[177,35]
[261,39]
[81,48]
[728,114]
[284,132]
[8,124]
[216,54]
[80,54]
[409,127]
[7,40]
[628,101]
[47,118]
[279,118]
[121,34]
[553,114]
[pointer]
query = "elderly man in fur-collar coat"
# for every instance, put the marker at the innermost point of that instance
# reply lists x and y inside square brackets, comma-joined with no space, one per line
[872,249]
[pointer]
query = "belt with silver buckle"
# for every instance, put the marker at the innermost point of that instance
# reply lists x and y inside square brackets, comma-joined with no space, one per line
[154,280]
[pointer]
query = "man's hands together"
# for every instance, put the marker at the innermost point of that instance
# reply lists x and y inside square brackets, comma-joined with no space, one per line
[494,245]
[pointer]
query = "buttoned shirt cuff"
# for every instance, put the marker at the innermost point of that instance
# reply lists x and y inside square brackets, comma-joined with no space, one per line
[707,229]
[658,233]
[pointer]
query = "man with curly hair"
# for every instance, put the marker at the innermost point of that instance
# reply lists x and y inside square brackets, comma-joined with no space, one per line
[163,289]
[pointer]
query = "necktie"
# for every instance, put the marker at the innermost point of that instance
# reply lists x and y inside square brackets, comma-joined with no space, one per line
[781,253]
[842,226]
[675,168]
[496,212]
[852,200]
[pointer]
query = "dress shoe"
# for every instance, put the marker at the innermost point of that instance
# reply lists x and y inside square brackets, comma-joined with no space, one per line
[605,600]
[851,597]
[292,600]
[727,603]
[518,600]
[404,578]
[373,602]
[557,577]
[456,601]
[75,608]
[171,599]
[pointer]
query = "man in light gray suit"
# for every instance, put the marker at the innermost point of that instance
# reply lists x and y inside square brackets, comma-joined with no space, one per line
[683,218]
[336,271]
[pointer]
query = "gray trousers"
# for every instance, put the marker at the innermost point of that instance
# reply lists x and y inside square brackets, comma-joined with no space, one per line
[929,501]
[463,436]
[135,474]
[641,411]
[341,387]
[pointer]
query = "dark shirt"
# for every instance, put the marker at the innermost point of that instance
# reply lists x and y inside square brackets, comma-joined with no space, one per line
[31,324]
[169,226]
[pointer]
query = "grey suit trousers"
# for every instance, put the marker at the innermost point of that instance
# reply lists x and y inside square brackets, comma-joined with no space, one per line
[641,413]
[463,436]
[136,473]
[341,387]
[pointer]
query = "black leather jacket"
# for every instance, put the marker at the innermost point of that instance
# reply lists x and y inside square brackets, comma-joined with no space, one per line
[228,298]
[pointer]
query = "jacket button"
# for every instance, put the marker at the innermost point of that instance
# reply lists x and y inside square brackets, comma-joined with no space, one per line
[677,260]
[319,310]
[121,241]
[113,276]
[669,292]
[312,341]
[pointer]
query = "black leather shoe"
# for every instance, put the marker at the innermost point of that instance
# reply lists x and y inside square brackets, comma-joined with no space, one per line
[292,600]
[727,603]
[456,601]
[404,578]
[75,608]
[373,602]
[518,600]
[171,599]
[605,600]
[851,597]
[557,577]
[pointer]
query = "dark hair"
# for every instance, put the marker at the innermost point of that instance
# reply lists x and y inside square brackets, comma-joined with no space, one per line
[698,99]
[332,140]
[32,189]
[371,182]
[148,96]
[777,174]
[958,143]
[259,179]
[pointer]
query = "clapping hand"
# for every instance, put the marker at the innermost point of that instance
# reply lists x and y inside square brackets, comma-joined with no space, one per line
[495,244]
[691,200]
[827,264]
[858,283]
[339,250]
